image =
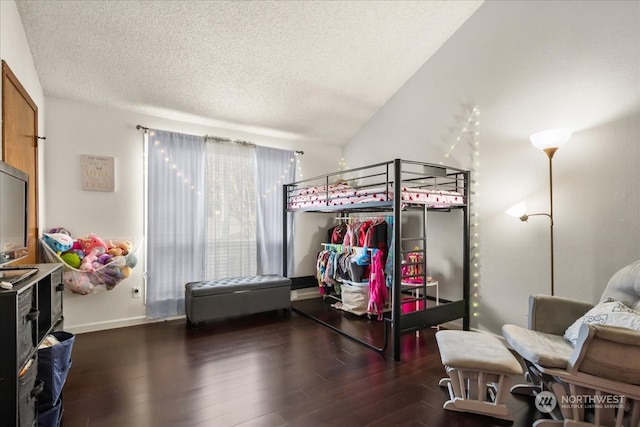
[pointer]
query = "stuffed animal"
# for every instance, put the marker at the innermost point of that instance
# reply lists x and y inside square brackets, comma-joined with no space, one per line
[109,275]
[132,260]
[60,230]
[87,261]
[59,242]
[114,252]
[77,248]
[105,259]
[78,252]
[92,242]
[126,271]
[77,282]
[71,259]
[119,248]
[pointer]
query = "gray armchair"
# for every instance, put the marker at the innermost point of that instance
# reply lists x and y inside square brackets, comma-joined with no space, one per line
[604,362]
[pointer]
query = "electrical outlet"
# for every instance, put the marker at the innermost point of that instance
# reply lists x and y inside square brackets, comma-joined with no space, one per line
[135,292]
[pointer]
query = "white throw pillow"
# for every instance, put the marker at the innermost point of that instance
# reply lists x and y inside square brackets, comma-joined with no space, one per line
[608,312]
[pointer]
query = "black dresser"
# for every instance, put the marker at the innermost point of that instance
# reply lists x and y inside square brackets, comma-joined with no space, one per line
[28,312]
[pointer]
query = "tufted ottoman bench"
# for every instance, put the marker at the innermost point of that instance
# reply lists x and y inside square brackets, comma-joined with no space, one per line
[217,299]
[479,368]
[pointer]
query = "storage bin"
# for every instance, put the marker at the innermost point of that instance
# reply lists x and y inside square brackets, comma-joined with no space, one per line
[409,304]
[28,389]
[51,417]
[53,366]
[355,298]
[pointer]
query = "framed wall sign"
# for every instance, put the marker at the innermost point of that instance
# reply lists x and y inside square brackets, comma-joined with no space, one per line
[97,173]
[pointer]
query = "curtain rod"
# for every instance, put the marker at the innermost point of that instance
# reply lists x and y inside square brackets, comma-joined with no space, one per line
[219,139]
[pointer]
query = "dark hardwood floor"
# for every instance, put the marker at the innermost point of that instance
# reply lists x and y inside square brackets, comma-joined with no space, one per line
[263,370]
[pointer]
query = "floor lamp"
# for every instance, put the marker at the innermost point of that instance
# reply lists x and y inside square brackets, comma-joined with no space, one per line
[548,141]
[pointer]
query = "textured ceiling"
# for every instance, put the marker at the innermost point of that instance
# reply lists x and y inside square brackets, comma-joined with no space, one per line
[315,71]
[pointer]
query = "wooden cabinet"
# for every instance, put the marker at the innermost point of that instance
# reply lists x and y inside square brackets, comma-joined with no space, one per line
[28,312]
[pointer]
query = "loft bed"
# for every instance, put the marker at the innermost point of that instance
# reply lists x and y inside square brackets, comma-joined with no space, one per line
[422,187]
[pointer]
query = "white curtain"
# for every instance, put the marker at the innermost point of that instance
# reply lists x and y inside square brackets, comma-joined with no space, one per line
[212,207]
[274,168]
[175,219]
[231,210]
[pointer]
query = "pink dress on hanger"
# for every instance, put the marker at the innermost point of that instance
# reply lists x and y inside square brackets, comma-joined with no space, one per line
[377,286]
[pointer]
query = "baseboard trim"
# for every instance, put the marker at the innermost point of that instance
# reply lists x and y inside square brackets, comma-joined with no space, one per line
[304,292]
[303,282]
[115,324]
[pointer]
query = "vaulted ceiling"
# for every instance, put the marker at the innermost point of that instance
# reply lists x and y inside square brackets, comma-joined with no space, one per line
[308,70]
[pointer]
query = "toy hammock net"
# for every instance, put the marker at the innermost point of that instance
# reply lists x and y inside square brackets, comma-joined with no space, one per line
[103,272]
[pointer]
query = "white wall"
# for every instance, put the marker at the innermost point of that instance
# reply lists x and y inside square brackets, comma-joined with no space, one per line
[15,51]
[532,66]
[76,128]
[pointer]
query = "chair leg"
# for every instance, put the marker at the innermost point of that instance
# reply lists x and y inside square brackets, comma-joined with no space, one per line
[547,423]
[526,389]
[635,413]
[469,390]
[559,392]
[626,414]
[535,382]
[571,423]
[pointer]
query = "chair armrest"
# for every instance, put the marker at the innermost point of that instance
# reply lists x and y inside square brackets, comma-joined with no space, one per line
[608,352]
[554,315]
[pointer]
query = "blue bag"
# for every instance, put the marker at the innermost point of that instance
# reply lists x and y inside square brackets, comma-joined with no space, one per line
[53,366]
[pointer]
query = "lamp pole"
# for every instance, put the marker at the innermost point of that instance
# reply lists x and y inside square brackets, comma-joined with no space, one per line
[548,141]
[550,152]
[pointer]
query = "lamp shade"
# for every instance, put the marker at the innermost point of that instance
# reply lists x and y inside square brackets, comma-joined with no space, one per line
[518,210]
[552,138]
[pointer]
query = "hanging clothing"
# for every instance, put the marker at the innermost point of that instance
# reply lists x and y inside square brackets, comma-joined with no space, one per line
[337,234]
[378,294]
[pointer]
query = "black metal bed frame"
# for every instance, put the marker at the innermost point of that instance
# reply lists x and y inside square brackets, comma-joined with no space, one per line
[397,174]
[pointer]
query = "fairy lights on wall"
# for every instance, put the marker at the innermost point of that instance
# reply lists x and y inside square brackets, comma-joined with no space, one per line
[474,128]
[342,164]
[469,136]
[469,133]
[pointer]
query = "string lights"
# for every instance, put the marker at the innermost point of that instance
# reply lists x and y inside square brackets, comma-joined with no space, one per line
[469,135]
[299,166]
[294,162]
[351,177]
[181,177]
[474,126]
[469,129]
[342,164]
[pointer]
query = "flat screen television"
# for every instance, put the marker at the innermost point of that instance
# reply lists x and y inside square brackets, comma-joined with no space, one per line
[14,188]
